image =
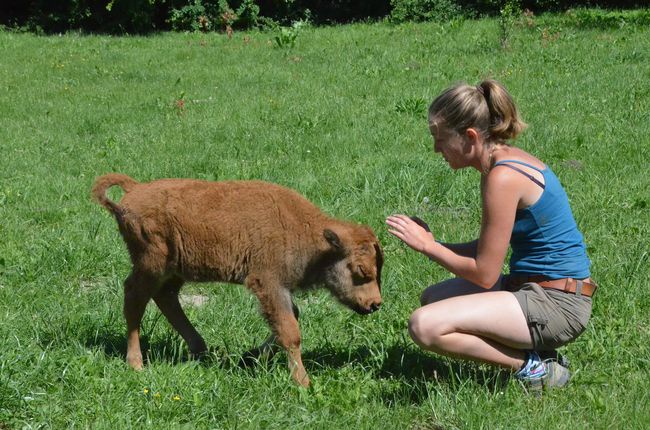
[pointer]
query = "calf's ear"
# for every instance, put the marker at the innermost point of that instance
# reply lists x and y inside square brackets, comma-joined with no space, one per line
[333,239]
[380,260]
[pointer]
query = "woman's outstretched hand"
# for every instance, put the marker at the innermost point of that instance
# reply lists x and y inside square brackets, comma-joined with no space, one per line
[411,230]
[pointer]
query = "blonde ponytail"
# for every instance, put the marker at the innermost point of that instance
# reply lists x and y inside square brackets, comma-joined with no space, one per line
[487,107]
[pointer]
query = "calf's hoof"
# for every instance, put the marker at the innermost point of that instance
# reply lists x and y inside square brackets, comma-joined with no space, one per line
[135,362]
[302,380]
[199,355]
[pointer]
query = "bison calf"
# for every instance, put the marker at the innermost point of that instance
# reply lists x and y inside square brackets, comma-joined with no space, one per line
[259,234]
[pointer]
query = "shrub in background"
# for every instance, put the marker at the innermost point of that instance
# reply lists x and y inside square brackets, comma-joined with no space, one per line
[114,16]
[248,13]
[205,15]
[142,16]
[424,10]
[508,14]
[191,17]
[286,36]
[322,11]
[606,19]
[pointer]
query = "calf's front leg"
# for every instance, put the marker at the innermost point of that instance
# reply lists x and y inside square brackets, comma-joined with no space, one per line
[270,346]
[278,310]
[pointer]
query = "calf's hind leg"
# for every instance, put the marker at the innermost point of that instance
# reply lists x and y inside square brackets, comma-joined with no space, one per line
[137,293]
[166,299]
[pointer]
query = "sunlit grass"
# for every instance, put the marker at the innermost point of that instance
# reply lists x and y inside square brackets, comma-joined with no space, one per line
[341,118]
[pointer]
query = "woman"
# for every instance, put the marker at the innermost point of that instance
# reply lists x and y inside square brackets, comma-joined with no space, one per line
[519,319]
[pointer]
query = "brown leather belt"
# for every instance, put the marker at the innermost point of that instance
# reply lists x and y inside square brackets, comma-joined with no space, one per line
[585,287]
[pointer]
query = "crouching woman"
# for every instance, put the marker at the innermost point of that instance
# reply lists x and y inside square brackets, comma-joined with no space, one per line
[514,321]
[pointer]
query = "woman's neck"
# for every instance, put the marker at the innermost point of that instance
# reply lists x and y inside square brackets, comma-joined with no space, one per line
[487,159]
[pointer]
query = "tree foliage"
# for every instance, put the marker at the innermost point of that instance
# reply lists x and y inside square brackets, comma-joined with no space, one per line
[144,16]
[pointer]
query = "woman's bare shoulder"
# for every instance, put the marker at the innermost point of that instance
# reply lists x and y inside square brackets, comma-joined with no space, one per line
[513,153]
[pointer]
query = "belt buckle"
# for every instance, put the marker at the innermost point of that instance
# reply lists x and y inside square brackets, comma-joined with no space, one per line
[579,285]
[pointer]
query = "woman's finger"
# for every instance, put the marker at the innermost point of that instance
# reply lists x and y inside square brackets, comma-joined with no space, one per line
[395,219]
[396,234]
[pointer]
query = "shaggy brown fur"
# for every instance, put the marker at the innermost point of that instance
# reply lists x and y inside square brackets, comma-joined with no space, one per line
[259,234]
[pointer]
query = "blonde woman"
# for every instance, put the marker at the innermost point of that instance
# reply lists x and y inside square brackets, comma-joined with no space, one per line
[514,321]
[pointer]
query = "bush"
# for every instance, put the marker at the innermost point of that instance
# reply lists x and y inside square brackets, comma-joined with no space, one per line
[209,15]
[603,19]
[190,17]
[142,16]
[322,11]
[247,14]
[424,10]
[112,16]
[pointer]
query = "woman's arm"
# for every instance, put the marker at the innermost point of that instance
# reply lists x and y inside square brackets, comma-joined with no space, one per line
[467,249]
[500,194]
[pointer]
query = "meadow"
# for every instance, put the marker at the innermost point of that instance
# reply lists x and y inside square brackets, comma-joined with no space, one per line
[341,117]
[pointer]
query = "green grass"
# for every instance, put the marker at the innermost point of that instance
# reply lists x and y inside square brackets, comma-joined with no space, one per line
[341,118]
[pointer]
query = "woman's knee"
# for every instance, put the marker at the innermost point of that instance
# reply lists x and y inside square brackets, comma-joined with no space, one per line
[423,328]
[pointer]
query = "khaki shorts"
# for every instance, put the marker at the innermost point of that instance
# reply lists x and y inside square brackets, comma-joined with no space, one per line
[554,317]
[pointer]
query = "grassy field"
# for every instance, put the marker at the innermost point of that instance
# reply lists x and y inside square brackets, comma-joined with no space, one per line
[341,118]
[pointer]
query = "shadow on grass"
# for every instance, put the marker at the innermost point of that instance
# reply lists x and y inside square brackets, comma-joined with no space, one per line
[170,349]
[408,364]
[412,370]
[404,363]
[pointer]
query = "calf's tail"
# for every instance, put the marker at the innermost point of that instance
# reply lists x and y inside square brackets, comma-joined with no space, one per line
[104,182]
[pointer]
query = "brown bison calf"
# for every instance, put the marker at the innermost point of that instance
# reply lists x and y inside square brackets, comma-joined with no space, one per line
[262,235]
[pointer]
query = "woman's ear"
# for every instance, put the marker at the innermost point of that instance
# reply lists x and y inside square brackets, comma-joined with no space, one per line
[472,138]
[472,135]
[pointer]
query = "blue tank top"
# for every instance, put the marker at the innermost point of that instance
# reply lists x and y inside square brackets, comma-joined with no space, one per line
[545,238]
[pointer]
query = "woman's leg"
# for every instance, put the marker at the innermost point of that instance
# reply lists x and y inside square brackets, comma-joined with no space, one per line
[452,288]
[489,327]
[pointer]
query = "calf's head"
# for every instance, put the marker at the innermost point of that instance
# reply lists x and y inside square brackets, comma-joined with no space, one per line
[354,273]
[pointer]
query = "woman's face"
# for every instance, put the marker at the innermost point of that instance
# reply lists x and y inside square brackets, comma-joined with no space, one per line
[451,145]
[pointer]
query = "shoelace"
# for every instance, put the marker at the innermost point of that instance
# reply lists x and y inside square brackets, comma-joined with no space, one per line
[533,369]
[538,372]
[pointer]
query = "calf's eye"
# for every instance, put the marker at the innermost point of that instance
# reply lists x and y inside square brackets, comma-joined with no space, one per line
[360,274]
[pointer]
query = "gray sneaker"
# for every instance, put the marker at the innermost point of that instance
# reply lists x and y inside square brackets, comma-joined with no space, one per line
[557,375]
